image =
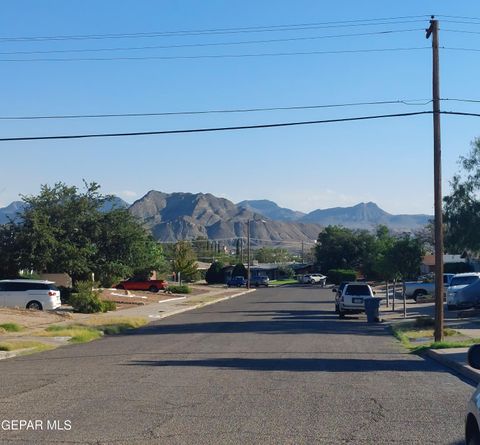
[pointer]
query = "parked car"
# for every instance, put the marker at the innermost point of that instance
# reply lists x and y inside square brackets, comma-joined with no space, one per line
[472,419]
[29,294]
[260,280]
[314,278]
[351,299]
[140,284]
[237,282]
[415,289]
[464,291]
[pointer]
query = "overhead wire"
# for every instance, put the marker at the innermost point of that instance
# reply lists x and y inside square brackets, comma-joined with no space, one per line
[218,56]
[211,129]
[409,102]
[196,45]
[268,28]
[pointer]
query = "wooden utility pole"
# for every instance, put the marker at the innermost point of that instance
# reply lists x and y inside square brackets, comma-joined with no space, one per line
[437,165]
[248,254]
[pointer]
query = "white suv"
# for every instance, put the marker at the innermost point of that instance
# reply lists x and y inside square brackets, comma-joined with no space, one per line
[350,300]
[30,294]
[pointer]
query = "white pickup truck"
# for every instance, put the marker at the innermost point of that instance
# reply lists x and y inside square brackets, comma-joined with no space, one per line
[415,289]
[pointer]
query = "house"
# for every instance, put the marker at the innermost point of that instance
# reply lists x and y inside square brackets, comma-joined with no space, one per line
[428,263]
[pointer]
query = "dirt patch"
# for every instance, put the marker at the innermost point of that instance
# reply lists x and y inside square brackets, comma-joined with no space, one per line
[127,299]
[32,319]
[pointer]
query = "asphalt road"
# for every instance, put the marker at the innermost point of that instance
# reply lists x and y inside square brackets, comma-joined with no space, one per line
[273,367]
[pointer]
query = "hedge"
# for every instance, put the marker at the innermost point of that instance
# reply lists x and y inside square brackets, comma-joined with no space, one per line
[336,276]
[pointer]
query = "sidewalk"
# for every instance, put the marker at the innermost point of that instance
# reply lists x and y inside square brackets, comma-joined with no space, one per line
[453,358]
[176,304]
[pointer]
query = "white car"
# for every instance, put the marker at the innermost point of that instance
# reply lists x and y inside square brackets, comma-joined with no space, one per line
[29,294]
[314,278]
[350,300]
[472,420]
[464,291]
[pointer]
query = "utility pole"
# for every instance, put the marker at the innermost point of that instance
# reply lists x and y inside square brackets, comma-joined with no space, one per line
[248,254]
[302,253]
[437,165]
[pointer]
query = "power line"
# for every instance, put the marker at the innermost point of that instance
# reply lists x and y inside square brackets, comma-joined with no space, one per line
[270,28]
[212,129]
[461,49]
[194,45]
[459,17]
[460,31]
[462,100]
[420,102]
[216,56]
[461,113]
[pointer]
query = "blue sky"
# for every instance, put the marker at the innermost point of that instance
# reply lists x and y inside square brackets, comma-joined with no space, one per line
[389,162]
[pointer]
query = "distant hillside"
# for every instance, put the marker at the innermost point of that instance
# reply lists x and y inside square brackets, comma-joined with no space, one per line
[365,216]
[271,210]
[176,216]
[10,212]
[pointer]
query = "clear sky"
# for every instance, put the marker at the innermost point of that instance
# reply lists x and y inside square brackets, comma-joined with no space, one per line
[387,161]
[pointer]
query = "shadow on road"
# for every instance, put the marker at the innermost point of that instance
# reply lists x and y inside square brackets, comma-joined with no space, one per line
[300,364]
[271,322]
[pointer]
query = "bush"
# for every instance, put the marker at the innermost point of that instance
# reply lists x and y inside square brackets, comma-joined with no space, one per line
[65,294]
[215,274]
[239,271]
[336,276]
[87,301]
[183,289]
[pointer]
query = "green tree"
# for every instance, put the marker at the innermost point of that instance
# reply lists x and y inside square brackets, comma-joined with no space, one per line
[10,253]
[184,261]
[337,248]
[272,255]
[239,271]
[462,206]
[405,256]
[65,230]
[215,273]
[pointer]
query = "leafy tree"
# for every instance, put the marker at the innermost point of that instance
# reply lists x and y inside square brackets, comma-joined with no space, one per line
[64,230]
[239,271]
[337,248]
[462,206]
[405,257]
[215,273]
[272,255]
[184,261]
[9,248]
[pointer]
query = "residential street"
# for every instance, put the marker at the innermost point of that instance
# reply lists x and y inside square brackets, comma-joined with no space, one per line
[273,367]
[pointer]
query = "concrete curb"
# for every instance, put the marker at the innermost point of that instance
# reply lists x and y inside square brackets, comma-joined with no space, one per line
[199,305]
[464,370]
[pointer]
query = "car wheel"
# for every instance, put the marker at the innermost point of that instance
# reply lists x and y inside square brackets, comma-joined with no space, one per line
[418,293]
[34,305]
[341,314]
[153,289]
[312,281]
[472,435]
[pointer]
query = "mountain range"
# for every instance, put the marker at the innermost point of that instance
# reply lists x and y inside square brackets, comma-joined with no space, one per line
[174,216]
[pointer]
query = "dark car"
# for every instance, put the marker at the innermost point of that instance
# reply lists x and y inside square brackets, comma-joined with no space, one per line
[236,282]
[141,284]
[259,281]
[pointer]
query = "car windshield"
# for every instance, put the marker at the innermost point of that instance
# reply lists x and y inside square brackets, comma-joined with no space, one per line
[459,281]
[357,289]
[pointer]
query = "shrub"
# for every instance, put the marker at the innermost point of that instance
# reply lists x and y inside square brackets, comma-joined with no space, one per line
[87,301]
[11,327]
[336,276]
[176,289]
[215,274]
[239,271]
